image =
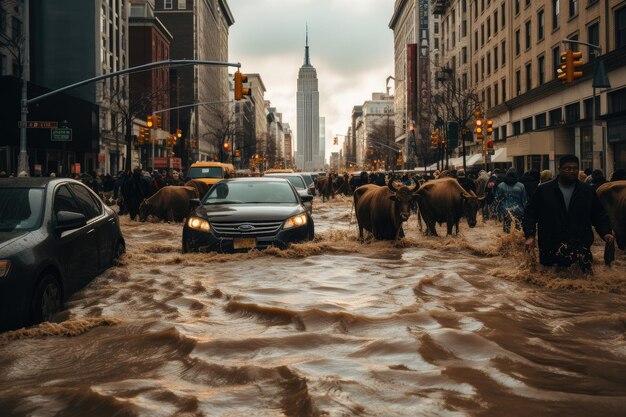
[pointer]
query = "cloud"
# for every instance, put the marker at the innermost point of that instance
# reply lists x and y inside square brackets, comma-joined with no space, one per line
[351,47]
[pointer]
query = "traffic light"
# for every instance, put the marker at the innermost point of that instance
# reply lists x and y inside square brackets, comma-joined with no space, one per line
[226,146]
[240,90]
[489,143]
[179,133]
[489,127]
[158,120]
[479,130]
[570,60]
[149,122]
[335,141]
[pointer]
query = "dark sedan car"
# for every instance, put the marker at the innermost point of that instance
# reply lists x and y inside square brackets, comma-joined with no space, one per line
[299,183]
[247,213]
[55,236]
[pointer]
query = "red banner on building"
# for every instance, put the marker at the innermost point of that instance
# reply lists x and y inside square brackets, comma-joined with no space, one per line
[159,162]
[176,163]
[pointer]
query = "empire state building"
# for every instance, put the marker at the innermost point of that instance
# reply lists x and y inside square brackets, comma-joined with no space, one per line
[308,156]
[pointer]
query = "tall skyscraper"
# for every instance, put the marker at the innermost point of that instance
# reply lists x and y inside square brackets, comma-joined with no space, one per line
[308,109]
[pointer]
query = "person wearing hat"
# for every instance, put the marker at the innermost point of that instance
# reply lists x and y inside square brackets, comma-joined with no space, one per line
[511,199]
[545,176]
[561,213]
[468,184]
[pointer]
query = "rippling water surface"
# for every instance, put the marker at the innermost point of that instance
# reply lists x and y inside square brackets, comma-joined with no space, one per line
[462,326]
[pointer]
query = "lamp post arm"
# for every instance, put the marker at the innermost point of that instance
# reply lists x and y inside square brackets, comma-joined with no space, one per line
[596,47]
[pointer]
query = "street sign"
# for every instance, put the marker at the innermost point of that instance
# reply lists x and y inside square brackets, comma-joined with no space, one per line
[34,124]
[61,135]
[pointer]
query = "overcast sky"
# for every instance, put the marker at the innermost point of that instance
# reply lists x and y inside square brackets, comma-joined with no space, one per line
[350,44]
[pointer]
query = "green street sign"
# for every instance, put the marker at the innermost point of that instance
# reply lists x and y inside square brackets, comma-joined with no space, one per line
[61,135]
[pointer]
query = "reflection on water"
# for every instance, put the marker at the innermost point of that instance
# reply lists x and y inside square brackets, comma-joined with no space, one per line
[455,326]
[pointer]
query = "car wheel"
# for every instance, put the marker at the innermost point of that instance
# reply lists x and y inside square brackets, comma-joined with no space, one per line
[120,249]
[47,300]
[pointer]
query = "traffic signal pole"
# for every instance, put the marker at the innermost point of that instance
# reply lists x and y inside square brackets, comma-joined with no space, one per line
[23,160]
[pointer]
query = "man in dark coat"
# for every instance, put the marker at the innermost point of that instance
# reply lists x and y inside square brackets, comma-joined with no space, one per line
[530,181]
[134,190]
[564,210]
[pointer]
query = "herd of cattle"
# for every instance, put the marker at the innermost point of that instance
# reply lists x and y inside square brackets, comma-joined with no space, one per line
[381,210]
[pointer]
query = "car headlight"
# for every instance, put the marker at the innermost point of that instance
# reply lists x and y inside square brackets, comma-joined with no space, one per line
[198,224]
[4,268]
[295,221]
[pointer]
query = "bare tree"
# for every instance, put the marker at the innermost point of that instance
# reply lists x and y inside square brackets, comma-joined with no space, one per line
[223,129]
[380,138]
[454,104]
[128,108]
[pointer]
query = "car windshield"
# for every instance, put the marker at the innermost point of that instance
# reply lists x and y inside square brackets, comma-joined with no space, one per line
[295,180]
[247,192]
[20,208]
[205,172]
[308,179]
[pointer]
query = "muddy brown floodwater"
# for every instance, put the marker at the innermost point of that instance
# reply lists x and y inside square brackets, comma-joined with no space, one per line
[459,326]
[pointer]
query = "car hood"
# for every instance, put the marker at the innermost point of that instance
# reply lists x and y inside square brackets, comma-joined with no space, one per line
[6,238]
[248,212]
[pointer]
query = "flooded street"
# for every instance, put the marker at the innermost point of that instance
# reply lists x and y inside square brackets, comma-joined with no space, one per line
[459,326]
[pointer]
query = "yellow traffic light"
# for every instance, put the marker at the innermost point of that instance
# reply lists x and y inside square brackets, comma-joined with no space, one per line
[240,90]
[489,127]
[576,62]
[149,122]
[179,133]
[226,146]
[479,129]
[158,120]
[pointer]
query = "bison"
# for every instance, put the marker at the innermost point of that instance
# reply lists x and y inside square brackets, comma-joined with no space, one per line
[612,195]
[169,203]
[381,210]
[444,200]
[325,186]
[201,186]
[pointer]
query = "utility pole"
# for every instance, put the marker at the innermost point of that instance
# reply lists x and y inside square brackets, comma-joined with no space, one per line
[22,165]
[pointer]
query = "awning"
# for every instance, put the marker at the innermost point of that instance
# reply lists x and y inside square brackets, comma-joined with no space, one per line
[500,156]
[476,159]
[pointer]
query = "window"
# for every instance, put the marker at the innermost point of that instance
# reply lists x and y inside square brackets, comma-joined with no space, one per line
[556,117]
[476,40]
[488,63]
[620,27]
[488,97]
[495,94]
[573,8]
[617,101]
[593,37]
[182,4]
[495,22]
[3,65]
[572,113]
[528,37]
[503,90]
[16,26]
[518,82]
[482,35]
[495,58]
[587,104]
[436,43]
[517,43]
[464,28]
[464,81]
[503,132]
[541,69]
[3,21]
[436,28]
[540,25]
[488,28]
[464,55]
[528,124]
[529,76]
[503,52]
[573,46]
[556,59]
[540,121]
[503,14]
[516,7]
[556,6]
[167,4]
[516,128]
[482,68]
[476,72]
[90,206]
[64,201]
[475,10]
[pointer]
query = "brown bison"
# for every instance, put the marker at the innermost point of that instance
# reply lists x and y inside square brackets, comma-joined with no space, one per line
[381,210]
[201,186]
[169,203]
[612,195]
[444,200]
[325,186]
[342,185]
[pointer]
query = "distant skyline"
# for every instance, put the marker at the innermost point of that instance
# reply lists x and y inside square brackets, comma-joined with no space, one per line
[350,45]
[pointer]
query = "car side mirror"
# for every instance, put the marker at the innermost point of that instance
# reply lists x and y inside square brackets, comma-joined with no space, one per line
[306,198]
[69,220]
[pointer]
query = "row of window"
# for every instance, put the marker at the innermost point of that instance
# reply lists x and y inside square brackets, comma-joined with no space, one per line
[169,4]
[16,25]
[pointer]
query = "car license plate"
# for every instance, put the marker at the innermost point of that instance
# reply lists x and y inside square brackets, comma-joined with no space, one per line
[244,243]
